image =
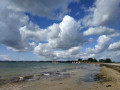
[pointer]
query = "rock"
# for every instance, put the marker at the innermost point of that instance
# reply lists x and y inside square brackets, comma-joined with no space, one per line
[27,77]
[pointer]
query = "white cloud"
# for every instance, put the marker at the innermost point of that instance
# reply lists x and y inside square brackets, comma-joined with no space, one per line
[114,55]
[102,45]
[114,46]
[65,39]
[15,31]
[99,31]
[59,36]
[69,35]
[34,32]
[4,57]
[44,50]
[74,50]
[67,53]
[103,12]
[64,36]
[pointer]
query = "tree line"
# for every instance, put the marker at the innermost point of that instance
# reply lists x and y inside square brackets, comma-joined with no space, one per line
[107,60]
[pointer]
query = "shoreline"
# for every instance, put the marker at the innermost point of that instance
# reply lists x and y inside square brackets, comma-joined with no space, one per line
[68,79]
[72,79]
[108,78]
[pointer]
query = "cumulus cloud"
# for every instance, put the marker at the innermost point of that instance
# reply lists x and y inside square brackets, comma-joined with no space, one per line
[64,36]
[71,51]
[69,35]
[114,46]
[69,54]
[102,45]
[64,40]
[13,21]
[99,31]
[102,15]
[103,12]
[54,9]
[59,36]
[102,50]
[44,51]
[16,30]
[114,55]
[74,50]
[34,32]
[10,22]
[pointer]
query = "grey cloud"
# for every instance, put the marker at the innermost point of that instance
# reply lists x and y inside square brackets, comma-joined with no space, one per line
[10,22]
[54,9]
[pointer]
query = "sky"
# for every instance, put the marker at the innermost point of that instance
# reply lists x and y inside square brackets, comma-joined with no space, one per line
[43,30]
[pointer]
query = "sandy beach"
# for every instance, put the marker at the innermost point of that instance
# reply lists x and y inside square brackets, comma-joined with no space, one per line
[72,80]
[110,79]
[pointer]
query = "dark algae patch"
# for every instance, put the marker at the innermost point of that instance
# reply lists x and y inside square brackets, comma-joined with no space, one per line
[101,78]
[28,77]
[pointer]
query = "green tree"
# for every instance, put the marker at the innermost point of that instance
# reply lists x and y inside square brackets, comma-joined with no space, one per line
[80,60]
[90,60]
[108,60]
[94,60]
[102,60]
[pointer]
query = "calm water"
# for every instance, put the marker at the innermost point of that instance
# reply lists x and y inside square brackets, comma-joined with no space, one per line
[25,68]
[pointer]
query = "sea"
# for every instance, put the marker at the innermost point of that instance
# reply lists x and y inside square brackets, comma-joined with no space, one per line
[17,69]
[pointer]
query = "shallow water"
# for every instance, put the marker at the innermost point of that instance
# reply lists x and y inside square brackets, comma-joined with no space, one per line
[16,69]
[39,74]
[22,68]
